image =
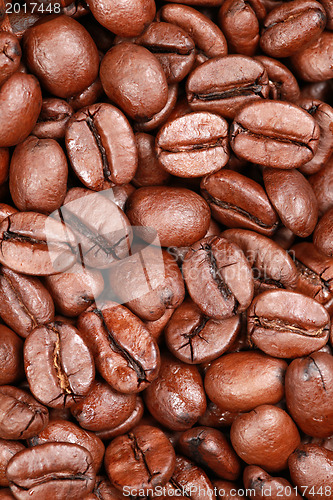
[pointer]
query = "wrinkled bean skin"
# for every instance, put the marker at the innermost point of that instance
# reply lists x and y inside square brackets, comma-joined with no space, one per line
[11,356]
[53,118]
[322,237]
[266,486]
[10,55]
[7,450]
[56,469]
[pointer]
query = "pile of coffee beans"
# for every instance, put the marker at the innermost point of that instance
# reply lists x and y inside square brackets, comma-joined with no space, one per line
[166,249]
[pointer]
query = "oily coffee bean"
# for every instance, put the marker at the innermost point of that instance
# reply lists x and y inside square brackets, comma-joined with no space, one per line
[56,469]
[101,155]
[125,353]
[56,63]
[134,80]
[7,450]
[11,356]
[321,183]
[21,416]
[274,134]
[224,84]
[24,302]
[322,237]
[65,371]
[195,338]
[224,274]
[228,385]
[312,63]
[237,201]
[53,119]
[149,171]
[128,424]
[147,452]
[10,55]
[283,86]
[266,486]
[216,417]
[20,105]
[183,152]
[44,163]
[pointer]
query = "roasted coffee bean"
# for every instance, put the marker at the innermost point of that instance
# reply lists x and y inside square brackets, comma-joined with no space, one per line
[134,80]
[21,416]
[283,86]
[20,105]
[321,183]
[24,302]
[322,237]
[155,328]
[10,55]
[184,152]
[190,480]
[312,63]
[216,417]
[237,201]
[88,96]
[59,470]
[149,171]
[265,486]
[161,117]
[53,119]
[195,338]
[225,277]
[57,63]
[308,393]
[224,84]
[125,353]
[274,134]
[7,450]
[11,356]
[225,490]
[103,489]
[176,382]
[101,155]
[209,448]
[128,424]
[228,385]
[179,215]
[4,164]
[147,452]
[287,324]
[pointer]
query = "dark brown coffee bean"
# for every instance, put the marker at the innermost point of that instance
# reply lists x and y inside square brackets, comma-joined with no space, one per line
[21,416]
[237,201]
[24,302]
[104,490]
[176,382]
[321,183]
[10,55]
[58,63]
[59,470]
[190,480]
[101,155]
[11,356]
[225,277]
[312,64]
[283,85]
[147,452]
[161,117]
[311,470]
[309,393]
[58,364]
[88,96]
[138,85]
[20,105]
[149,171]
[322,237]
[265,486]
[216,417]
[274,134]
[195,338]
[179,215]
[228,385]
[125,353]
[184,152]
[224,84]
[103,408]
[209,448]
[287,324]
[7,450]
[53,119]
[128,424]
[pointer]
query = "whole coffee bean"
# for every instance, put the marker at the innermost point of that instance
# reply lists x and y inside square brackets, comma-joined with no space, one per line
[21,416]
[195,338]
[224,84]
[321,183]
[283,85]
[125,353]
[228,384]
[68,432]
[287,324]
[225,277]
[56,469]
[10,55]
[237,201]
[32,243]
[184,152]
[24,302]
[266,486]
[20,105]
[161,117]
[101,155]
[128,424]
[190,480]
[147,452]
[4,164]
[55,61]
[11,356]
[179,215]
[209,448]
[64,372]
[322,237]
[292,26]
[53,118]
[103,408]
[312,64]
[134,80]
[266,436]
[149,171]
[7,450]
[311,469]
[38,175]
[308,393]
[176,382]
[216,417]
[274,134]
